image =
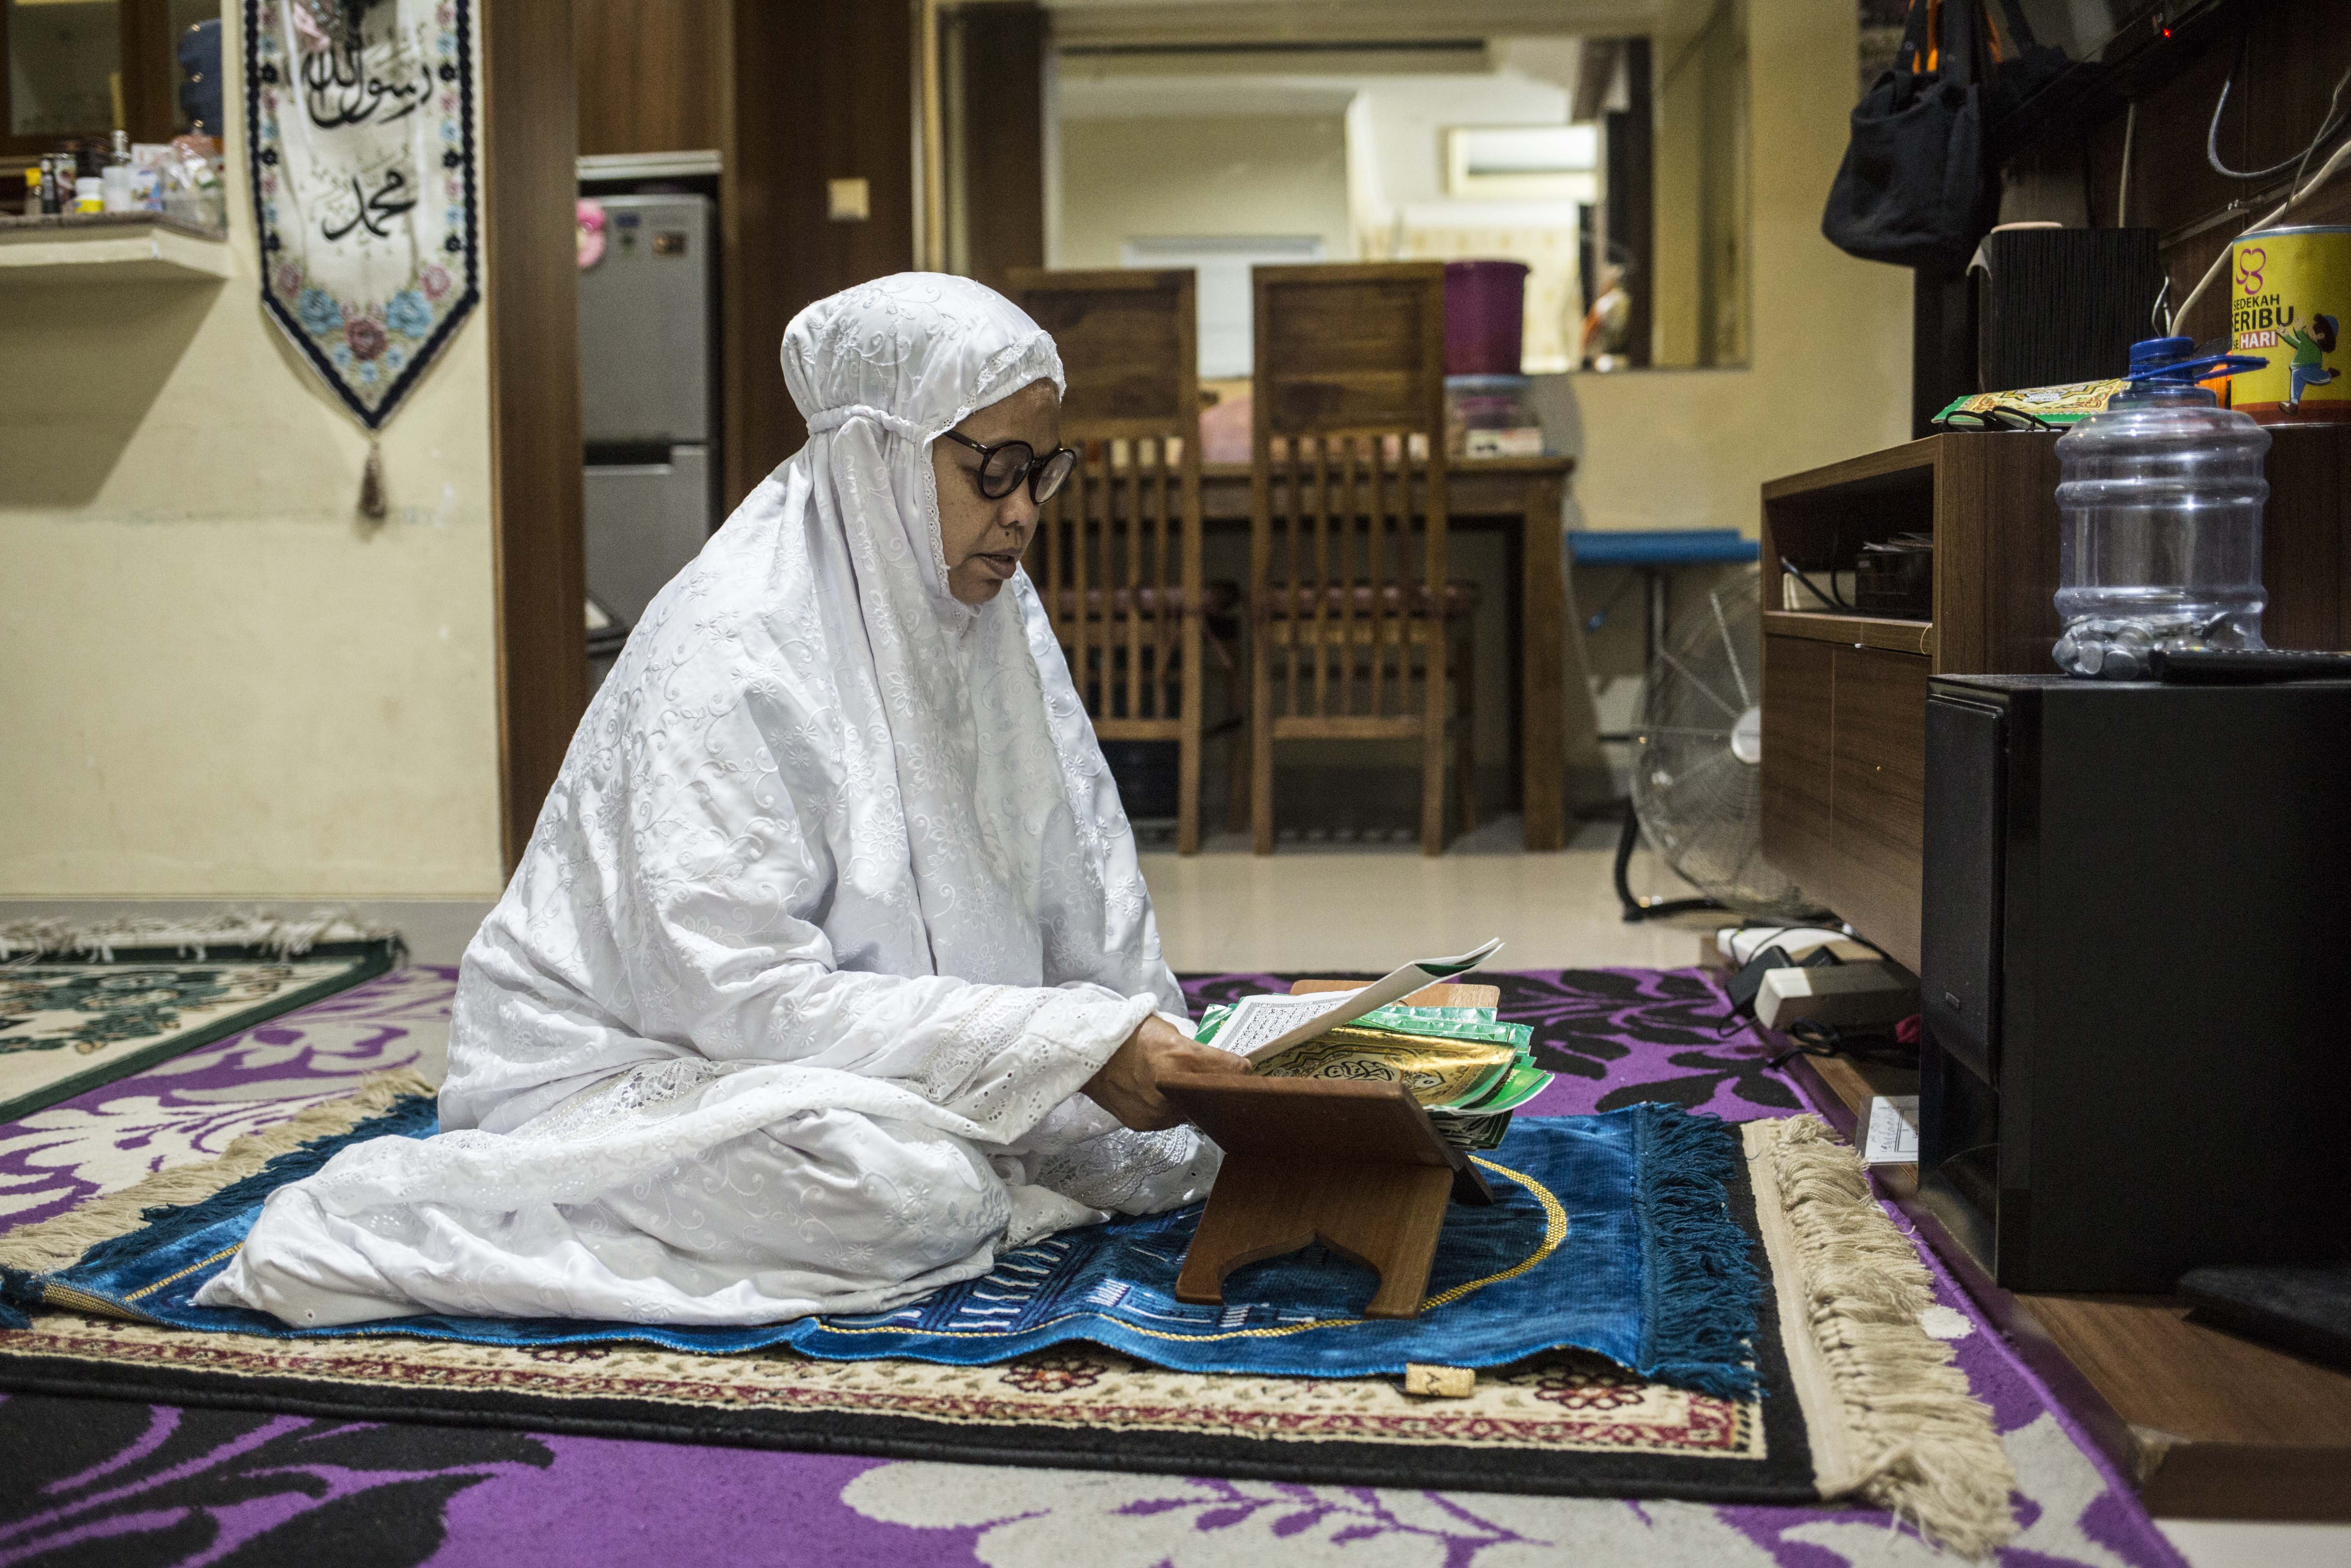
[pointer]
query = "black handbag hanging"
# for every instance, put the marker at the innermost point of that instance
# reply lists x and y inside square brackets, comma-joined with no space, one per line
[2020,68]
[1914,189]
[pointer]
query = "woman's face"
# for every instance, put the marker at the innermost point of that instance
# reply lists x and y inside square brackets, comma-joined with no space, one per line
[983,538]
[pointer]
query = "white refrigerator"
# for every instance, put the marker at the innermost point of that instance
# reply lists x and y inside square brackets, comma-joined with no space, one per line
[648,403]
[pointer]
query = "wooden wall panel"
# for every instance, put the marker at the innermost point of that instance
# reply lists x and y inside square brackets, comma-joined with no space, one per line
[1004,137]
[652,75]
[824,92]
[2282,57]
[529,132]
[2306,538]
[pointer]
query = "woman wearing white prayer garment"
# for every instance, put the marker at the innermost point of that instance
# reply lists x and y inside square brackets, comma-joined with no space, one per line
[828,974]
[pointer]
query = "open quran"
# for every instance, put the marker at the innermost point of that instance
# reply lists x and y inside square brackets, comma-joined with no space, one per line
[1469,1070]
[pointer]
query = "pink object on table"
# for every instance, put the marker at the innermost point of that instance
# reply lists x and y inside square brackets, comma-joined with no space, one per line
[1225,430]
[1485,317]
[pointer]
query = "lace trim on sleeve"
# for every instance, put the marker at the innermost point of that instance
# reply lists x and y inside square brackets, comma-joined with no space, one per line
[1133,1173]
[990,1028]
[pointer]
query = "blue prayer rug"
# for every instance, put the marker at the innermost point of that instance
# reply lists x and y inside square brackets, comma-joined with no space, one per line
[1611,1233]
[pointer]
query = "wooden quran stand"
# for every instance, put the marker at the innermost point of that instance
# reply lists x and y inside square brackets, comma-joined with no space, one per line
[1358,1166]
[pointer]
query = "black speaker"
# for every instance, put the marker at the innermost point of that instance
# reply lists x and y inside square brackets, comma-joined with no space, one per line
[2133,977]
[2054,306]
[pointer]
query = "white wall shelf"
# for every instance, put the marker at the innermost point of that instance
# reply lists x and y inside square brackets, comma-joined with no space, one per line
[117,248]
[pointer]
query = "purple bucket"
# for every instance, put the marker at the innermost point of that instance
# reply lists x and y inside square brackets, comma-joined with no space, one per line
[1485,317]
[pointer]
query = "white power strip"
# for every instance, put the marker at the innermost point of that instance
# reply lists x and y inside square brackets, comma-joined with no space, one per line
[1845,994]
[1738,944]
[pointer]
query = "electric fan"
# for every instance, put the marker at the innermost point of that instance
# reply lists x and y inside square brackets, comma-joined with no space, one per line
[1697,775]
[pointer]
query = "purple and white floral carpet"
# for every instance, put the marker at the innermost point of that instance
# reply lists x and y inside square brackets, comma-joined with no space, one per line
[95,1482]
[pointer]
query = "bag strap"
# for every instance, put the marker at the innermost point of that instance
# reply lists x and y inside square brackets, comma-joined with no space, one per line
[1913,48]
[1955,49]
[2019,30]
[1956,58]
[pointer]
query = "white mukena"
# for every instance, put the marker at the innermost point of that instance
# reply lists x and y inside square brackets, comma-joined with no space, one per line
[830,912]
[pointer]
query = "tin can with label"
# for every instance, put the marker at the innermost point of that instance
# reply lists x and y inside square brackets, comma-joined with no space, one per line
[2289,299]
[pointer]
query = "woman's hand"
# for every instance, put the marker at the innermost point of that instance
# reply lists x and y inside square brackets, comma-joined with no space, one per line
[1128,1085]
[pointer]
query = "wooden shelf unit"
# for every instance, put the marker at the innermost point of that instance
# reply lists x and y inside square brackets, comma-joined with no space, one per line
[1845,697]
[1856,631]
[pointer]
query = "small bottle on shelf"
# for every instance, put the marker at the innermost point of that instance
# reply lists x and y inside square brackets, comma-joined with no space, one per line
[114,180]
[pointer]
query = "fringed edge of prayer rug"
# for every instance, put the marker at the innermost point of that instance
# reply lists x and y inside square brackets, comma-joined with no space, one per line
[1701,1289]
[1889,1410]
[281,936]
[177,1192]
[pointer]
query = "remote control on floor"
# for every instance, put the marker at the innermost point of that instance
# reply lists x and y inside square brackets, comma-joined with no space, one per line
[2246,666]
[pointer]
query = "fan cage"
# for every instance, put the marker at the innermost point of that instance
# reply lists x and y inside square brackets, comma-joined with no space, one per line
[1697,779]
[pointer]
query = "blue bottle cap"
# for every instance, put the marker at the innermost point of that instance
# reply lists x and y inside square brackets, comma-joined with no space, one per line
[2175,359]
[2150,354]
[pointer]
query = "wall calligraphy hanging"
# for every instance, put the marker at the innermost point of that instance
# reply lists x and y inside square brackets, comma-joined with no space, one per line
[360,132]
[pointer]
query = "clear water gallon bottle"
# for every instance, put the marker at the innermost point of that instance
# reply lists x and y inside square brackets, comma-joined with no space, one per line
[2160,501]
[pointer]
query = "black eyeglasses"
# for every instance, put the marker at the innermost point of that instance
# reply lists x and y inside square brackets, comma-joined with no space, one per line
[1998,416]
[1003,465]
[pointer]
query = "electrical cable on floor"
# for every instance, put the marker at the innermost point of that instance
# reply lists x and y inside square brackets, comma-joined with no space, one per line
[1808,1037]
[1639,909]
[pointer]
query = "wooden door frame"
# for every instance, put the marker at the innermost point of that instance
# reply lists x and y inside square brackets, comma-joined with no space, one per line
[530,184]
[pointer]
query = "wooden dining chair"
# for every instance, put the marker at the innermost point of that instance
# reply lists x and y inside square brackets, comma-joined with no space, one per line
[1116,557]
[1356,631]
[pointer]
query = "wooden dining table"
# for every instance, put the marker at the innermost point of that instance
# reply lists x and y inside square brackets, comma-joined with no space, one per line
[1519,498]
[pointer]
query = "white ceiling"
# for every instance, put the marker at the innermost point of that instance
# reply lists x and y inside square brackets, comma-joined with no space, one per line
[1111,23]
[1084,95]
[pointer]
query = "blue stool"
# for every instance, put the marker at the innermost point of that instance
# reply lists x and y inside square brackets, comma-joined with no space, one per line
[1653,552]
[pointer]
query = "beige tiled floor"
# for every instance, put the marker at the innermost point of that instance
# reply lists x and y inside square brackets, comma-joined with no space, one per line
[1312,906]
[1314,909]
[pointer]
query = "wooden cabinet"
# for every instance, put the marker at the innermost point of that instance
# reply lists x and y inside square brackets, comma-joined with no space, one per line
[1845,695]
[1843,801]
[1879,791]
[1799,749]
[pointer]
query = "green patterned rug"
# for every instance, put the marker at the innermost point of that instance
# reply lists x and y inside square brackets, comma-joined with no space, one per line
[82,1006]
